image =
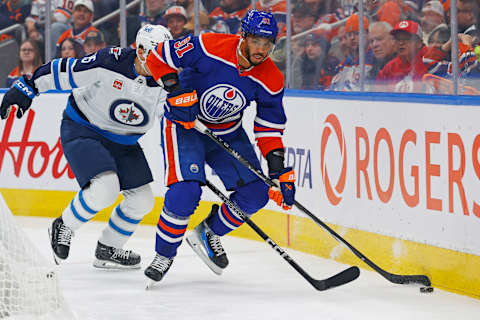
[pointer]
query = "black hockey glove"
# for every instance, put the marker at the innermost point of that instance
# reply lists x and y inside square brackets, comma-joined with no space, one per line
[284,194]
[20,94]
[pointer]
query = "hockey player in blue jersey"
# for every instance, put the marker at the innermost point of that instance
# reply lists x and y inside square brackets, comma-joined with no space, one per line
[114,101]
[222,74]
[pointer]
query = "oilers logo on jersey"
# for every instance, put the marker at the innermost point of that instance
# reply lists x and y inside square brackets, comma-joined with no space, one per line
[128,113]
[221,101]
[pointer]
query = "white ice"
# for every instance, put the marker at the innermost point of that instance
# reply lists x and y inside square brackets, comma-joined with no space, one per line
[258,284]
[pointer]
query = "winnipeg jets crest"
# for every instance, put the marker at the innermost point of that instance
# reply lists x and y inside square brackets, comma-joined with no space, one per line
[128,113]
[221,101]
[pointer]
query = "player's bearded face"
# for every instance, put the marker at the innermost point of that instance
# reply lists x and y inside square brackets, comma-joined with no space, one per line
[257,49]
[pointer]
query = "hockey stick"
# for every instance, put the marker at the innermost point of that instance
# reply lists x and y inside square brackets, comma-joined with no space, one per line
[395,278]
[336,280]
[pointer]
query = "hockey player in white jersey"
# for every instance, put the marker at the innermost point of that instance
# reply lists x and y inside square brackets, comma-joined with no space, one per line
[114,101]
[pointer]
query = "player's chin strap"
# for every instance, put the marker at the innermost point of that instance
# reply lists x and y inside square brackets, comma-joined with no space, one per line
[394,278]
[143,63]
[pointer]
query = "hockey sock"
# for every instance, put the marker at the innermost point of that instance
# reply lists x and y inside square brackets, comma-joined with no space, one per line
[170,231]
[224,221]
[78,212]
[120,227]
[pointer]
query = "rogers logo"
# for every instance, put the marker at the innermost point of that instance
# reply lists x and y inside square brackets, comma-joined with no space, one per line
[333,193]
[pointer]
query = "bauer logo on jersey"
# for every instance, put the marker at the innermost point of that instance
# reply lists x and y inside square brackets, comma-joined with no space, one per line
[221,101]
[128,112]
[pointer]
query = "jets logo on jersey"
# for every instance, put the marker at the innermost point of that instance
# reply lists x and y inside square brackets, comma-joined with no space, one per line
[128,113]
[221,101]
[116,52]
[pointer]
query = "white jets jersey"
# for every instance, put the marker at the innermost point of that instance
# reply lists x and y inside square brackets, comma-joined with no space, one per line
[108,95]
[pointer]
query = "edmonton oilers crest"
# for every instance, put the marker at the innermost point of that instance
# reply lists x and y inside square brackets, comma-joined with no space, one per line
[221,101]
[128,113]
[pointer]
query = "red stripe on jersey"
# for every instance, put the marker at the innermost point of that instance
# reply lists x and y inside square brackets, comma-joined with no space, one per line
[229,217]
[257,128]
[217,126]
[163,226]
[172,175]
[267,144]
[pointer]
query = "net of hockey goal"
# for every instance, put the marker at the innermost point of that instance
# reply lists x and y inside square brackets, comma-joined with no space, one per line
[29,286]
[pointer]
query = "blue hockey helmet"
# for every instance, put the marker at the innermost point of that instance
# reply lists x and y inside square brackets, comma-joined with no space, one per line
[259,23]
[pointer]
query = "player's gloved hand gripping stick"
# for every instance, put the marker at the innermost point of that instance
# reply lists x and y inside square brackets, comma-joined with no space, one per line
[182,107]
[20,94]
[394,278]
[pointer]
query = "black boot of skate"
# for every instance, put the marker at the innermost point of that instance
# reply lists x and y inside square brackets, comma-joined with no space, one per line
[115,258]
[207,245]
[60,238]
[157,269]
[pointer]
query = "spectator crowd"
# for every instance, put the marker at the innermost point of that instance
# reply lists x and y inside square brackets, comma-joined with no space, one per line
[407,42]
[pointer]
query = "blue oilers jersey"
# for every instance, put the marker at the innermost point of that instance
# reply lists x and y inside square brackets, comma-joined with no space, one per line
[106,90]
[209,65]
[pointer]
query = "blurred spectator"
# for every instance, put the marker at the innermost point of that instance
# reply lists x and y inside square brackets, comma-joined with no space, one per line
[82,17]
[320,7]
[29,59]
[439,36]
[220,26]
[340,44]
[108,28]
[384,10]
[154,11]
[210,4]
[279,10]
[176,18]
[189,5]
[204,23]
[232,12]
[61,15]
[12,12]
[302,18]
[383,46]
[432,17]
[70,48]
[314,69]
[94,41]
[404,73]
[347,73]
[467,16]
[439,64]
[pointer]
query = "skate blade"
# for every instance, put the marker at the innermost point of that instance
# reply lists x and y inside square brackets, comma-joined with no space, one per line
[150,284]
[197,248]
[104,264]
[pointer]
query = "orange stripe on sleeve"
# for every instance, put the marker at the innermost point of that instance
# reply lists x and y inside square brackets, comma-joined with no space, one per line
[157,67]
[268,144]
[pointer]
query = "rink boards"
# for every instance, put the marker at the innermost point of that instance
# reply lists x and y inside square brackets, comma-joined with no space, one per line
[397,179]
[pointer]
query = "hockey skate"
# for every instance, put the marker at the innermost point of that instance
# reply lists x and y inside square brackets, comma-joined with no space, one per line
[207,246]
[60,238]
[157,269]
[115,258]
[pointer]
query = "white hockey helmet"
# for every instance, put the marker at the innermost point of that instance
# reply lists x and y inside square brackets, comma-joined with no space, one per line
[148,37]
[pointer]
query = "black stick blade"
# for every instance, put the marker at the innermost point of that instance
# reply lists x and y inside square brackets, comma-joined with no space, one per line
[408,279]
[339,279]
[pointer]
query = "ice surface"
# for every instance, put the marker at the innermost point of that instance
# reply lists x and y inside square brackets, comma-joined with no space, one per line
[258,284]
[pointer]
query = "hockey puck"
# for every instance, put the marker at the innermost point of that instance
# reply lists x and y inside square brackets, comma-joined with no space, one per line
[426,289]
